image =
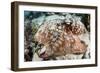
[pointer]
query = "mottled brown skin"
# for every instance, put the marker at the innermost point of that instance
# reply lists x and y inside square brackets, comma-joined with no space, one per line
[63,45]
[71,46]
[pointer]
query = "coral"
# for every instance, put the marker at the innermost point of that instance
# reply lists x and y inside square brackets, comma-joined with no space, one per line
[56,36]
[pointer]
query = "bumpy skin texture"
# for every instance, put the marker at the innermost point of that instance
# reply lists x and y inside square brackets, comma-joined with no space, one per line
[61,38]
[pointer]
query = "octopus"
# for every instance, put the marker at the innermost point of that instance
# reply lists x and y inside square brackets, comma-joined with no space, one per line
[61,38]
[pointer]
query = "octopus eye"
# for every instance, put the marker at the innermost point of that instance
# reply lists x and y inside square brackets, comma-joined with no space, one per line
[82,42]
